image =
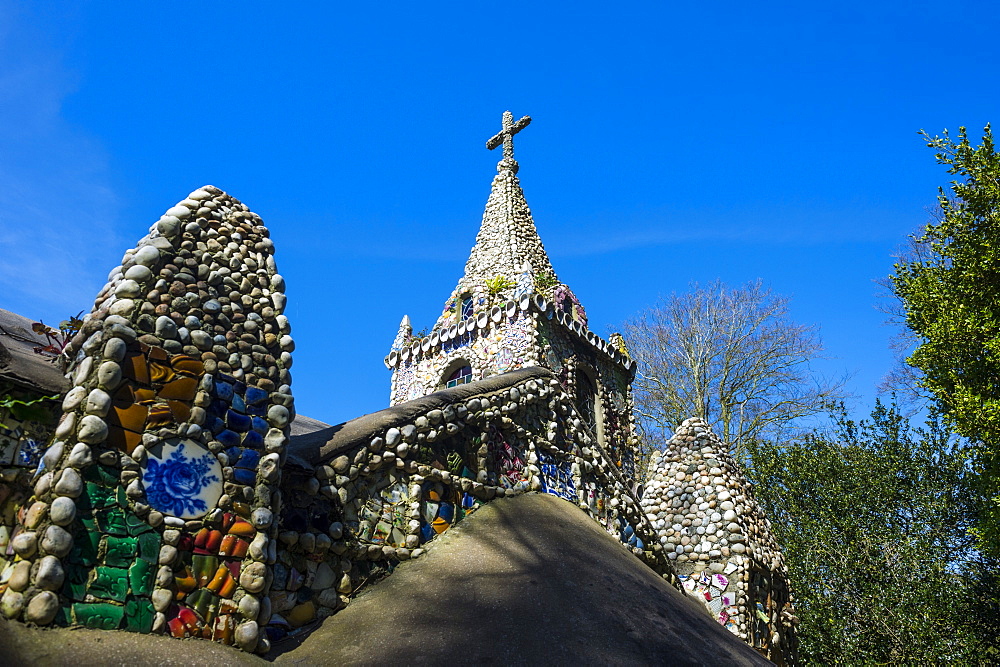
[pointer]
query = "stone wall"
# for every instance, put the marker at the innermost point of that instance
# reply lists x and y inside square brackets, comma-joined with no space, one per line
[719,541]
[386,484]
[152,509]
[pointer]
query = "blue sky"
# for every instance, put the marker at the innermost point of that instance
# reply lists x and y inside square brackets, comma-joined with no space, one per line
[671,143]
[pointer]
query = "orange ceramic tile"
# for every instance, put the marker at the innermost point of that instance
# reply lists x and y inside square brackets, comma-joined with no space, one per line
[134,368]
[180,388]
[219,580]
[160,371]
[132,417]
[144,396]
[187,365]
[132,440]
[241,548]
[157,353]
[214,541]
[242,509]
[185,580]
[243,529]
[440,525]
[181,411]
[159,415]
[228,588]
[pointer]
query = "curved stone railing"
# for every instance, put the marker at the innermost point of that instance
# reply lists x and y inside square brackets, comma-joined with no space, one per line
[384,485]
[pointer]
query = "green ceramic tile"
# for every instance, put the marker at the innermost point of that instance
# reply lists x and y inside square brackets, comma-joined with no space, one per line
[75,584]
[140,577]
[149,547]
[86,545]
[111,583]
[99,615]
[101,474]
[138,615]
[135,525]
[111,521]
[120,551]
[121,498]
[96,496]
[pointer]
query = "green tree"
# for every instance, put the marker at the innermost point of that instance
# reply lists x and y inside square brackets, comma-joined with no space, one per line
[951,297]
[873,520]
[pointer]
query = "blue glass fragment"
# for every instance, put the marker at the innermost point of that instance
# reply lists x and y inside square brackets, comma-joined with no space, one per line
[244,476]
[426,532]
[233,454]
[238,404]
[218,407]
[237,422]
[228,438]
[259,425]
[240,387]
[255,395]
[216,425]
[253,440]
[259,410]
[249,459]
[447,512]
[224,391]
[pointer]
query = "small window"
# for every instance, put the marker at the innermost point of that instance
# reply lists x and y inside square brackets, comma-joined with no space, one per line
[462,375]
[466,307]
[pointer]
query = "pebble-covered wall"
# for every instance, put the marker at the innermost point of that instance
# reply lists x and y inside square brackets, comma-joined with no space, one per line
[720,543]
[390,482]
[152,509]
[25,431]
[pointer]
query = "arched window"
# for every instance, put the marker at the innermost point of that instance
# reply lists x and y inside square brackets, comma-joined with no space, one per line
[588,404]
[586,394]
[461,375]
[466,306]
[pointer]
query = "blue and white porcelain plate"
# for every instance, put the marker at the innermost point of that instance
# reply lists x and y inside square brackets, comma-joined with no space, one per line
[182,478]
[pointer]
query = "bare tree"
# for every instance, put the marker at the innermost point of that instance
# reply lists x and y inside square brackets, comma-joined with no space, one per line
[731,357]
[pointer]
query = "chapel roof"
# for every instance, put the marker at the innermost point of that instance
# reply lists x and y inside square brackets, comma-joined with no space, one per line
[19,363]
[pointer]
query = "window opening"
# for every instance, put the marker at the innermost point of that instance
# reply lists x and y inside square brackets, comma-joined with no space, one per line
[466,307]
[462,375]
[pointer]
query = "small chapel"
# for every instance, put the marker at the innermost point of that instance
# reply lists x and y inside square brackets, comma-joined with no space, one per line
[155,477]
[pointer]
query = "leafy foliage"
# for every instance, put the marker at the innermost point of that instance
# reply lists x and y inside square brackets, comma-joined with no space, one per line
[498,284]
[544,282]
[873,519]
[951,296]
[59,338]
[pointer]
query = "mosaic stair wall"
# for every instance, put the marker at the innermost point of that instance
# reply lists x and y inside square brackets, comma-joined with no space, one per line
[386,484]
[152,510]
[720,543]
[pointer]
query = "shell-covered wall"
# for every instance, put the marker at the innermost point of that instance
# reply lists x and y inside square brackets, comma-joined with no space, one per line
[720,543]
[377,500]
[153,508]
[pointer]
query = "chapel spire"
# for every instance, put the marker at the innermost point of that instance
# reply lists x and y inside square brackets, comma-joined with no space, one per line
[507,241]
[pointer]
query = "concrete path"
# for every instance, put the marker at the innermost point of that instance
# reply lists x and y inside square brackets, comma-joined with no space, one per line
[529,580]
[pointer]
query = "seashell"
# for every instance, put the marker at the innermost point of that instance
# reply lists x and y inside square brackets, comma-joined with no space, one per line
[461,328]
[392,359]
[510,309]
[482,319]
[540,303]
[435,339]
[524,302]
[425,344]
[452,331]
[496,314]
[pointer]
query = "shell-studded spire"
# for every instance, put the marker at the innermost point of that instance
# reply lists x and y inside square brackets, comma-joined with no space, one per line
[507,238]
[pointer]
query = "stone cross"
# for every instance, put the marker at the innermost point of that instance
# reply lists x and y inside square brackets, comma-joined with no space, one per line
[506,135]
